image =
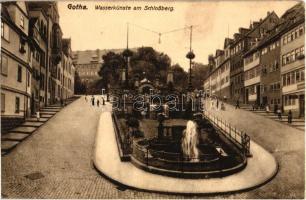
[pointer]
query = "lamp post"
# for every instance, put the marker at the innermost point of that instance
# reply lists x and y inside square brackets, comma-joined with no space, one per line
[126,54]
[190,55]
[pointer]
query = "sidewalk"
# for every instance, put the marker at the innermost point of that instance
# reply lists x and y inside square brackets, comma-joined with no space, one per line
[13,137]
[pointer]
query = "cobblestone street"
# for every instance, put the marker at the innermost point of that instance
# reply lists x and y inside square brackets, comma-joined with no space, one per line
[56,161]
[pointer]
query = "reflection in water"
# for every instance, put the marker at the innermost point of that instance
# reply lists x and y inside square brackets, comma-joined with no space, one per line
[190,142]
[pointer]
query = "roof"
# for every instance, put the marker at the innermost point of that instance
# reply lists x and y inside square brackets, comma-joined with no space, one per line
[88,56]
[286,24]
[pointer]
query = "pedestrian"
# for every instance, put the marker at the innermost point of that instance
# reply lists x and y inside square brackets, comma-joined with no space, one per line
[86,98]
[275,108]
[62,102]
[38,116]
[98,102]
[237,104]
[217,103]
[279,114]
[267,108]
[103,101]
[289,117]
[222,106]
[253,107]
[93,100]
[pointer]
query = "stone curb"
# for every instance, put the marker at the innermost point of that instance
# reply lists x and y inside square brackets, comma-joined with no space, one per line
[261,168]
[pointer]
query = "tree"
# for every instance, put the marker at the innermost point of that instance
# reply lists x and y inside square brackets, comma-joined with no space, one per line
[180,77]
[79,86]
[199,72]
[110,69]
[153,63]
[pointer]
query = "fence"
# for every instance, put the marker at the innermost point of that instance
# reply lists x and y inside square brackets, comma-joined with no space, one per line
[240,138]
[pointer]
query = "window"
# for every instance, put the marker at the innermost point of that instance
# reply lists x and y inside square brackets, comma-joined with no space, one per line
[5,31]
[2,102]
[293,56]
[28,79]
[17,105]
[22,21]
[4,65]
[42,82]
[19,74]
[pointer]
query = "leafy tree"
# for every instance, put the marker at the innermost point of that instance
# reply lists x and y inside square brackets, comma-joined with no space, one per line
[199,72]
[110,69]
[79,86]
[180,77]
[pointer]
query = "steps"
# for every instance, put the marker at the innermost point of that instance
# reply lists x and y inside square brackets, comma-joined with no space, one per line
[297,123]
[13,137]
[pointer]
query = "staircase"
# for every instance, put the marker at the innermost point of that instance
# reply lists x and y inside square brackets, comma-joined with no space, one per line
[13,137]
[298,123]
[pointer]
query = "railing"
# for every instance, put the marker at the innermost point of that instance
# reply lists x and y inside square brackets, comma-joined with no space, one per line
[238,137]
[210,163]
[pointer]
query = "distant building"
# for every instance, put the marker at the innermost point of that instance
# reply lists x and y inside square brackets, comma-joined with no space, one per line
[88,63]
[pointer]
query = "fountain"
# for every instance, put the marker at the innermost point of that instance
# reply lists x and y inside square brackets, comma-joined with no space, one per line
[194,150]
[190,142]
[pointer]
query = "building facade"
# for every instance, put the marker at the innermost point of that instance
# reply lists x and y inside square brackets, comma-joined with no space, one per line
[293,61]
[31,49]
[16,64]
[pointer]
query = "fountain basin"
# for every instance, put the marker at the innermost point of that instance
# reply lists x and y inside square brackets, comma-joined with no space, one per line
[166,158]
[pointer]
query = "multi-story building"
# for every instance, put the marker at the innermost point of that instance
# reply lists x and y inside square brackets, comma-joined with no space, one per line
[293,60]
[31,49]
[53,52]
[262,71]
[88,63]
[15,64]
[217,83]
[39,38]
[243,41]
[68,70]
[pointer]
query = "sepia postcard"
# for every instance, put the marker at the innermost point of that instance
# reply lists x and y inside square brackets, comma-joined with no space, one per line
[149,99]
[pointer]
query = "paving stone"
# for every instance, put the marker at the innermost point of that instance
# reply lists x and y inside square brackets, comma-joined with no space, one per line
[14,136]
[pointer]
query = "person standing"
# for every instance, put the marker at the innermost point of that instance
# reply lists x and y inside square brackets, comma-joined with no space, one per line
[93,100]
[279,114]
[237,104]
[98,102]
[86,98]
[290,117]
[267,108]
[103,101]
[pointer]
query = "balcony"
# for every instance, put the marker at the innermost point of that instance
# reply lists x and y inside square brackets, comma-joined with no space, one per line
[252,81]
[293,88]
[251,65]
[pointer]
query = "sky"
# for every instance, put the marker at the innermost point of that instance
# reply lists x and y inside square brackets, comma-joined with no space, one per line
[212,21]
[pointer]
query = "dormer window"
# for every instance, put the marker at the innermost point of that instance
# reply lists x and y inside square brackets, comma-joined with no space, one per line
[22,45]
[21,21]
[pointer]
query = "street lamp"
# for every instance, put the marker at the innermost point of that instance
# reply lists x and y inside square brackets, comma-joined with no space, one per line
[126,54]
[190,55]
